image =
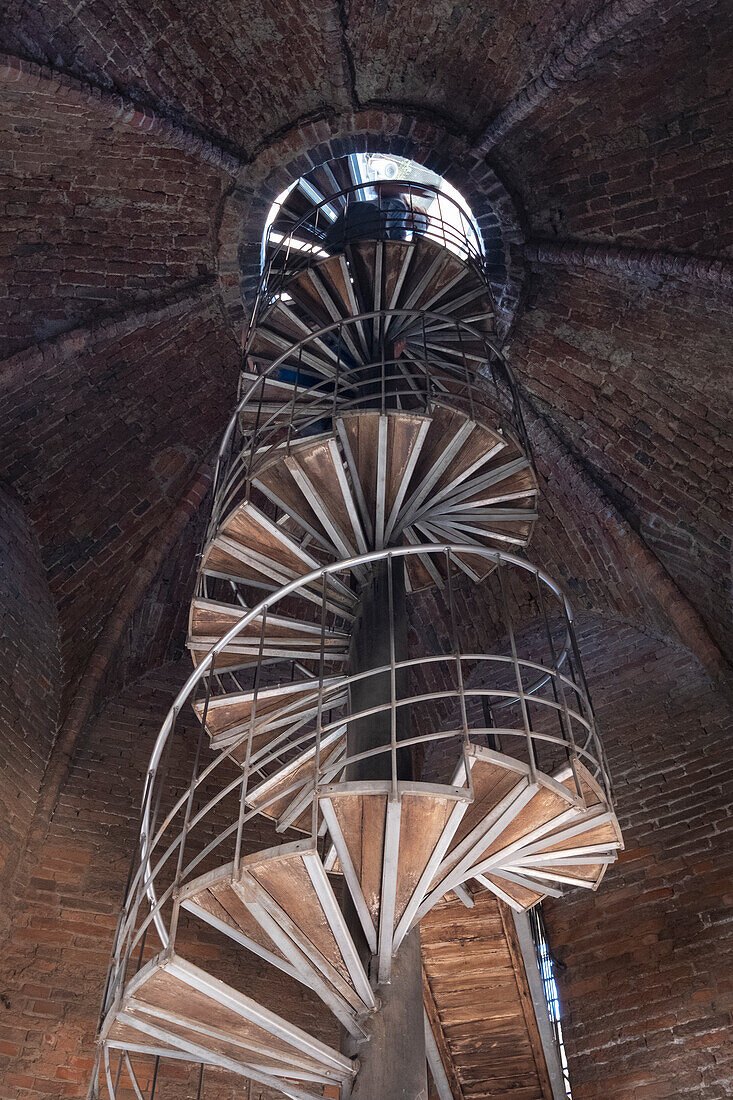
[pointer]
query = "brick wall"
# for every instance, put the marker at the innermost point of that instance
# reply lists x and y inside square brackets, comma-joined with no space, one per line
[647,994]
[484,55]
[96,217]
[630,374]
[53,969]
[637,150]
[104,432]
[217,82]
[29,674]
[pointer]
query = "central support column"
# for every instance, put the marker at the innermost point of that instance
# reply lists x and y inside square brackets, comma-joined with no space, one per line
[392,1061]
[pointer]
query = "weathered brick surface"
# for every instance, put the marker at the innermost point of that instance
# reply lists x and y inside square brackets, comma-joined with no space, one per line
[631,374]
[637,151]
[54,967]
[102,432]
[210,67]
[484,55]
[94,216]
[647,994]
[292,61]
[30,673]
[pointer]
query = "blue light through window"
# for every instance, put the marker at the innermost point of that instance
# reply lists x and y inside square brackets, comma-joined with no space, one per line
[546,966]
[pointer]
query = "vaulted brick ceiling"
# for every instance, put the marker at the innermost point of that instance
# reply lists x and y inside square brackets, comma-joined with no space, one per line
[121,363]
[134,140]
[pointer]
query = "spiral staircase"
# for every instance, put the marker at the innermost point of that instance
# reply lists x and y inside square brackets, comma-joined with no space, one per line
[378,435]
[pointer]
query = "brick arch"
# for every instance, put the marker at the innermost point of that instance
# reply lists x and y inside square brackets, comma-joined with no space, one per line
[299,150]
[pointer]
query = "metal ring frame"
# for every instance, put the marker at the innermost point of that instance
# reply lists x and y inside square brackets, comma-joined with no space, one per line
[417,384]
[159,847]
[284,257]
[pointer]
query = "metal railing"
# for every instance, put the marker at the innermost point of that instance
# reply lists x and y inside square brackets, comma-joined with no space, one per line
[290,246]
[532,679]
[445,362]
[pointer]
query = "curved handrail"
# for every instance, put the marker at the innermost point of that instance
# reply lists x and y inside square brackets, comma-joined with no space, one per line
[411,220]
[143,884]
[476,383]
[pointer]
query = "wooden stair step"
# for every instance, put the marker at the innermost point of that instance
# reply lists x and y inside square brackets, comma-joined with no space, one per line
[494,783]
[286,796]
[213,899]
[251,548]
[545,808]
[253,907]
[516,892]
[440,459]
[275,480]
[180,1006]
[282,637]
[595,830]
[381,451]
[271,401]
[269,343]
[510,815]
[228,716]
[388,846]
[290,883]
[318,469]
[586,871]
[252,530]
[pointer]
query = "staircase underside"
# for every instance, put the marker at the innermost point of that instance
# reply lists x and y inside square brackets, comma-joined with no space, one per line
[173,1007]
[476,982]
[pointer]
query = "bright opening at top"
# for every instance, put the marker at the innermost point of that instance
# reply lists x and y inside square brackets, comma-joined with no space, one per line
[435,207]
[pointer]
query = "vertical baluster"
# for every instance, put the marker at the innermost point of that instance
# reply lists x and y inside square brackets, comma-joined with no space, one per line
[558,691]
[253,437]
[295,398]
[392,675]
[154,1083]
[508,622]
[319,710]
[456,648]
[383,375]
[108,1074]
[578,675]
[187,814]
[250,738]
[466,374]
[428,379]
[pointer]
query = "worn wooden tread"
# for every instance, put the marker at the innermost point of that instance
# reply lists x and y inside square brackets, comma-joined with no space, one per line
[181,1007]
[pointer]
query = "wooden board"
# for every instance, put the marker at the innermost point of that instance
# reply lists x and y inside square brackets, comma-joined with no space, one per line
[542,808]
[299,773]
[476,985]
[238,1038]
[287,881]
[491,783]
[362,822]
[223,903]
[423,819]
[275,707]
[283,637]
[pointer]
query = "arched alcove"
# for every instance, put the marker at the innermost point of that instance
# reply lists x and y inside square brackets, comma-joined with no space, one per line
[386,134]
